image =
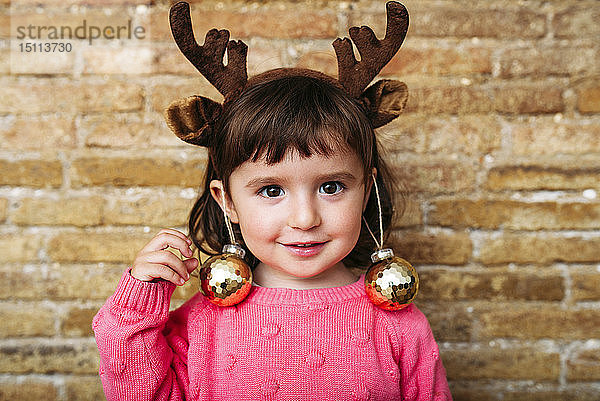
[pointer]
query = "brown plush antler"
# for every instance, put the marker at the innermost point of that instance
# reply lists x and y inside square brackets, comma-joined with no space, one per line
[374,54]
[208,59]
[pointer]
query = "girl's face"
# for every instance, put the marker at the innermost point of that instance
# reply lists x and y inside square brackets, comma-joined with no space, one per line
[300,217]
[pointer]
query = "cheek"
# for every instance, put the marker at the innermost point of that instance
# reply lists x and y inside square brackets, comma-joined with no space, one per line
[256,224]
[348,220]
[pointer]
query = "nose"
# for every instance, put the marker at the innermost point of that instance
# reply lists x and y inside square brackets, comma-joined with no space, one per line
[304,214]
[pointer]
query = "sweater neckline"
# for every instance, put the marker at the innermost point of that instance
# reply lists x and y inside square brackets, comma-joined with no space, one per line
[288,296]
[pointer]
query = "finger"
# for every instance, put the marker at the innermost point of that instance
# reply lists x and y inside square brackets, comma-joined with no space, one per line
[168,259]
[164,240]
[151,271]
[174,232]
[191,264]
[177,233]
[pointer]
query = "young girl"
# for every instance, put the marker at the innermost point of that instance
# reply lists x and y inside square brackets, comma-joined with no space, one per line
[292,158]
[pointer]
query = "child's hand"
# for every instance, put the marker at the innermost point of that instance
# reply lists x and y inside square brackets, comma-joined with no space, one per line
[154,261]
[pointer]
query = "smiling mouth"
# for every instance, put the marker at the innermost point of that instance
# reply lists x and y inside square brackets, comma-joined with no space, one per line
[305,244]
[305,249]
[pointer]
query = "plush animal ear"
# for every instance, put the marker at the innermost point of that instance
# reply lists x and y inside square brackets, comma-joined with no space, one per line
[192,119]
[384,101]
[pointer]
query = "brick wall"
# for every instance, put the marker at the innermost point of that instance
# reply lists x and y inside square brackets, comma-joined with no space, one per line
[498,150]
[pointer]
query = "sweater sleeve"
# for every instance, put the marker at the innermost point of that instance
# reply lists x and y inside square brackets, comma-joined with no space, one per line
[423,377]
[137,361]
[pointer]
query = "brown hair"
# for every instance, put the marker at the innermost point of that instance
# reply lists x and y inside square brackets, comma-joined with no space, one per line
[268,119]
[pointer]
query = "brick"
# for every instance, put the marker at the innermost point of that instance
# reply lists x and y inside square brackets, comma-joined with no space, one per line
[265,22]
[81,2]
[537,322]
[39,134]
[116,96]
[164,212]
[4,60]
[31,173]
[262,55]
[34,356]
[434,177]
[419,248]
[532,177]
[465,135]
[39,96]
[80,212]
[135,59]
[96,247]
[584,365]
[323,60]
[449,100]
[3,209]
[84,388]
[439,61]
[26,320]
[541,62]
[127,172]
[160,30]
[5,25]
[78,322]
[161,96]
[58,282]
[539,249]
[549,138]
[265,55]
[441,21]
[585,285]
[30,389]
[170,60]
[66,282]
[106,131]
[412,216]
[515,215]
[18,283]
[293,23]
[19,247]
[449,321]
[472,391]
[35,63]
[577,22]
[528,99]
[499,285]
[570,394]
[588,100]
[520,363]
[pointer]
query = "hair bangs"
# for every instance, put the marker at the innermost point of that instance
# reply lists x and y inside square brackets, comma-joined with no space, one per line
[294,114]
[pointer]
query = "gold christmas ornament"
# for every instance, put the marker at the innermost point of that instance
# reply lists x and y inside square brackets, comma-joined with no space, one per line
[391,282]
[226,279]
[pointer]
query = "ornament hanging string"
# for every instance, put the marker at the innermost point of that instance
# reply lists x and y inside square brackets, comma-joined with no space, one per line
[378,243]
[227,221]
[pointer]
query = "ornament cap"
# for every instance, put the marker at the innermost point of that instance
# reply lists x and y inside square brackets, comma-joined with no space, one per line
[234,249]
[381,254]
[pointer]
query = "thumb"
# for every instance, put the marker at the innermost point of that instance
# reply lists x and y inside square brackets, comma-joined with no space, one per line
[191,264]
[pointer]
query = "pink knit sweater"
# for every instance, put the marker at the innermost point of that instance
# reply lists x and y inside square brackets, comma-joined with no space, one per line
[279,344]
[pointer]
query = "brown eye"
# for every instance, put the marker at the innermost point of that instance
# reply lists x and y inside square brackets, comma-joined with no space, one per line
[331,188]
[272,191]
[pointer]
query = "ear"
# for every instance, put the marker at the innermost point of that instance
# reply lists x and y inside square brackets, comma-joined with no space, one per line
[192,119]
[369,187]
[384,100]
[218,192]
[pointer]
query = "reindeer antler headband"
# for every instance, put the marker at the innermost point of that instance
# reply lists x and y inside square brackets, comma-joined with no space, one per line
[192,119]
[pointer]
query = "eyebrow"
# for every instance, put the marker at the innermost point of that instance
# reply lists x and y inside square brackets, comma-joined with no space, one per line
[270,180]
